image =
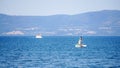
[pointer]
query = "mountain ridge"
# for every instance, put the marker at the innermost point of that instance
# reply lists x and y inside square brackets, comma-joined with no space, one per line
[106,22]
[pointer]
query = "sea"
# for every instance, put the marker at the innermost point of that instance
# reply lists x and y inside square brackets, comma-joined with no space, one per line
[59,52]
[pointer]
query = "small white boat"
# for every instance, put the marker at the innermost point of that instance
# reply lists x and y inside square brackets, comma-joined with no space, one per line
[38,36]
[79,44]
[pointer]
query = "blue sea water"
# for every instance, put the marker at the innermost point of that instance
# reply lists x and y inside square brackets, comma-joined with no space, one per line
[59,52]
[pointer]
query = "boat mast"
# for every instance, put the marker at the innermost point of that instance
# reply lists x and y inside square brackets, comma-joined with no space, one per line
[81,40]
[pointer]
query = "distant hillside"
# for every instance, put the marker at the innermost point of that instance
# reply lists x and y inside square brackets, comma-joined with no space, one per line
[106,22]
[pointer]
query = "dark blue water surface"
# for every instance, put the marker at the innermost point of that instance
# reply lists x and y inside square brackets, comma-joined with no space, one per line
[59,52]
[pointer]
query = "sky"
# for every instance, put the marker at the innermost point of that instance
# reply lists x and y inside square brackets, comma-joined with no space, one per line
[53,7]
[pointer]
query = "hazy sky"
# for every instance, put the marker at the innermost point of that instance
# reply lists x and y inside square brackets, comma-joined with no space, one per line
[52,7]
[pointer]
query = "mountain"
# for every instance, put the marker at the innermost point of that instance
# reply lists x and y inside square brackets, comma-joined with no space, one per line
[98,23]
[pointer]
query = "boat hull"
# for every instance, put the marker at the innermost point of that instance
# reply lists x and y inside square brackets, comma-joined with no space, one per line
[38,37]
[78,45]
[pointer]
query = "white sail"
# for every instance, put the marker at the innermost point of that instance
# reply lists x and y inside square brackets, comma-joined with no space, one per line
[80,41]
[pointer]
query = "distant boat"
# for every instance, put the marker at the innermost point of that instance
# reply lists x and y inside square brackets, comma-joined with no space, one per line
[79,44]
[38,36]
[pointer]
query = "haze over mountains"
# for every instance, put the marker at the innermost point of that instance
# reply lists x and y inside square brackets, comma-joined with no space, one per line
[99,23]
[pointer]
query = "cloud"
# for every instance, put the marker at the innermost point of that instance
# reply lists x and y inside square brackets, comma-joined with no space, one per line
[90,32]
[31,28]
[63,29]
[105,28]
[14,33]
[70,29]
[69,34]
[109,31]
[28,28]
[107,23]
[48,33]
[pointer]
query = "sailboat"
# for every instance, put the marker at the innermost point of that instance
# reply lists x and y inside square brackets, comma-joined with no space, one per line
[38,36]
[79,44]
